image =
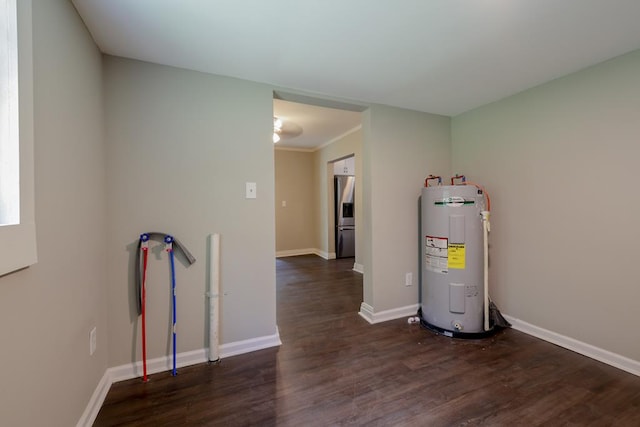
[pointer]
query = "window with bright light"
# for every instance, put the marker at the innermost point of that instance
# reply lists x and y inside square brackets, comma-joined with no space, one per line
[17,208]
[9,134]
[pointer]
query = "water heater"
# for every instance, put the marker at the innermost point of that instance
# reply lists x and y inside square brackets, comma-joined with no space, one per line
[454,294]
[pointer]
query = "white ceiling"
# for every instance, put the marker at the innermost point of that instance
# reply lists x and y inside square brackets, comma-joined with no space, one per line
[437,56]
[320,125]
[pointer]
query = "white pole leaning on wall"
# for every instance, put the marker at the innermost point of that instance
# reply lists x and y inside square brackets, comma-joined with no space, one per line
[214,295]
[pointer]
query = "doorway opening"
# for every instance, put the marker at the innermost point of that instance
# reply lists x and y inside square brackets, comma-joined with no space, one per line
[304,173]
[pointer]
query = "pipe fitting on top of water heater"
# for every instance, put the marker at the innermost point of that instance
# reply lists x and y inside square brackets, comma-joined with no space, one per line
[431,178]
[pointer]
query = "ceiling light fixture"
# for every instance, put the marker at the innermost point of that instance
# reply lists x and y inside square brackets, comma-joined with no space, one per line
[277,128]
[284,129]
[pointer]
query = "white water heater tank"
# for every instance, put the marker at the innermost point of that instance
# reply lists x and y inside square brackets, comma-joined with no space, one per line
[452,288]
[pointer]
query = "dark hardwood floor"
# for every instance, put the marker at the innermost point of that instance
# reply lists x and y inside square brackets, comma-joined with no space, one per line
[334,368]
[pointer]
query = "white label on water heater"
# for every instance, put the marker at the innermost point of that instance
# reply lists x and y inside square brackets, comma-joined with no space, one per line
[454,201]
[436,251]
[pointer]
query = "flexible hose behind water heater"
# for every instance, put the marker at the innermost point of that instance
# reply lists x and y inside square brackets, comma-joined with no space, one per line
[485,238]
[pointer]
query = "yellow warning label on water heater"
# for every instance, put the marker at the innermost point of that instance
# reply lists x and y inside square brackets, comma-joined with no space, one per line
[456,256]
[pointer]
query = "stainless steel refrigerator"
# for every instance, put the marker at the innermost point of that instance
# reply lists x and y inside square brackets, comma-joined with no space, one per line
[344,189]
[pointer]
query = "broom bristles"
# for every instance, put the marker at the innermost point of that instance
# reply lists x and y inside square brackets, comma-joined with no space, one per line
[496,318]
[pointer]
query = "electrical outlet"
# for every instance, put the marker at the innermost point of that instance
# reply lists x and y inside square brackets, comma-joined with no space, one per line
[250,188]
[408,279]
[92,341]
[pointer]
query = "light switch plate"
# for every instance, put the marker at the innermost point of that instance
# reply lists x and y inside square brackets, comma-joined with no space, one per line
[251,190]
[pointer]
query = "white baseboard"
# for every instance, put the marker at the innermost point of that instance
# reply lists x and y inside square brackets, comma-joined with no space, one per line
[247,346]
[358,268]
[604,356]
[95,403]
[159,364]
[307,251]
[367,313]
[296,252]
[165,363]
[326,255]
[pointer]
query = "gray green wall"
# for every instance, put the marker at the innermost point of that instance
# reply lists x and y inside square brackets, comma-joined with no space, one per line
[400,148]
[48,309]
[180,147]
[560,163]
